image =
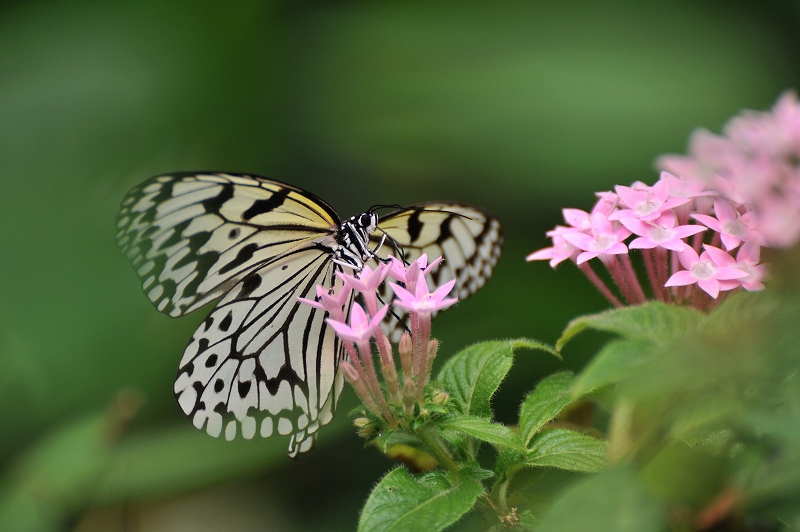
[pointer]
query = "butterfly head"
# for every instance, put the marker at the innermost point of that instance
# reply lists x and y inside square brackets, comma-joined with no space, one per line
[367,221]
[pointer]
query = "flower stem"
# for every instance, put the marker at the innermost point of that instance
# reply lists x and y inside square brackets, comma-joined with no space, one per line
[434,443]
[649,262]
[599,284]
[632,278]
[618,275]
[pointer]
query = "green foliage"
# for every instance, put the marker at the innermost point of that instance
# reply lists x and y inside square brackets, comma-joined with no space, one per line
[482,429]
[704,410]
[612,501]
[567,449]
[704,423]
[432,501]
[543,404]
[652,321]
[473,375]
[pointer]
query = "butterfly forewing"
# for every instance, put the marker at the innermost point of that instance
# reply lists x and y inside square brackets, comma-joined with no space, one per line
[469,239]
[191,237]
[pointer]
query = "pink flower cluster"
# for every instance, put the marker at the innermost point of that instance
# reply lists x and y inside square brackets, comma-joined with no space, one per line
[755,163]
[704,222]
[416,349]
[679,226]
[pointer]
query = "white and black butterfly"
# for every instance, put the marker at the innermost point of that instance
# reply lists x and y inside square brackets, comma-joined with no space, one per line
[262,363]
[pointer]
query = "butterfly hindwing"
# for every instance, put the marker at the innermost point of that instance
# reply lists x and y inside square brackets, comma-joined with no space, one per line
[263,363]
[192,236]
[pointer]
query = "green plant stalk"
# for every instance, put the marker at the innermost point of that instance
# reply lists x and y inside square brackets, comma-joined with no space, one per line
[433,441]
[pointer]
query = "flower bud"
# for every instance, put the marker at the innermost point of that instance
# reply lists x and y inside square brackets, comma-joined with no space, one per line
[433,348]
[406,359]
[440,397]
[367,432]
[361,422]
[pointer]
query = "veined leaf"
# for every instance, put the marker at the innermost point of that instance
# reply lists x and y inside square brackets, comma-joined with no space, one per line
[567,449]
[652,321]
[431,502]
[473,375]
[482,429]
[543,404]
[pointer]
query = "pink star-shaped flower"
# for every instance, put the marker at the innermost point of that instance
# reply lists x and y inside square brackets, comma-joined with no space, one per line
[423,301]
[747,260]
[367,280]
[361,328]
[660,232]
[409,274]
[686,187]
[604,239]
[704,270]
[606,204]
[645,203]
[732,226]
[560,251]
[329,301]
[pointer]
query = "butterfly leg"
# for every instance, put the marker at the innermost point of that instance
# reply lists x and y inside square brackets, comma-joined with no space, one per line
[377,248]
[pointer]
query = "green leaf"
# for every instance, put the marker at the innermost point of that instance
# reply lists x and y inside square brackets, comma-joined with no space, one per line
[618,360]
[615,500]
[652,321]
[482,429]
[544,404]
[567,449]
[430,502]
[473,375]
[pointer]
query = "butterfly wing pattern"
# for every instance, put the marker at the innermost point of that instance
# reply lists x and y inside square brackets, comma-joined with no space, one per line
[261,363]
[469,239]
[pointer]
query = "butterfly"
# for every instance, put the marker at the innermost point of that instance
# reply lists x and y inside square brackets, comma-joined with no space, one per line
[262,363]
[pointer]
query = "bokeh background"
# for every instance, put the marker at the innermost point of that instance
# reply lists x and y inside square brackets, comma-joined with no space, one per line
[521,107]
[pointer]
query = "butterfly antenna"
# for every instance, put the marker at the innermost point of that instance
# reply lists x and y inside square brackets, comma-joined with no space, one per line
[423,209]
[381,206]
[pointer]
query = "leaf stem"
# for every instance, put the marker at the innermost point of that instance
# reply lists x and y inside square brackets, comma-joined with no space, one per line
[433,441]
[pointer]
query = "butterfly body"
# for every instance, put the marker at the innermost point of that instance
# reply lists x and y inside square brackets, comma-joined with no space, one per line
[261,363]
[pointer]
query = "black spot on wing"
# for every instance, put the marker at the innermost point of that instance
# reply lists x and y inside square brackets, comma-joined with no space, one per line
[196,242]
[250,283]
[211,361]
[244,387]
[176,235]
[414,226]
[225,324]
[168,288]
[214,204]
[445,231]
[285,374]
[244,255]
[204,264]
[266,205]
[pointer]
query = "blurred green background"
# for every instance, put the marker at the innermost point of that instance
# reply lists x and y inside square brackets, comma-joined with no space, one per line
[521,107]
